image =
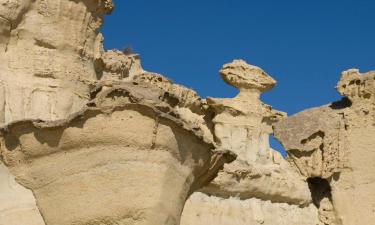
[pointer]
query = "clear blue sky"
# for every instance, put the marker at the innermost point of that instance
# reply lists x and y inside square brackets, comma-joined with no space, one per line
[304,45]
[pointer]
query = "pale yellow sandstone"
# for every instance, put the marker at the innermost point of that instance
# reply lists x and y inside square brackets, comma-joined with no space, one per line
[98,140]
[243,125]
[333,146]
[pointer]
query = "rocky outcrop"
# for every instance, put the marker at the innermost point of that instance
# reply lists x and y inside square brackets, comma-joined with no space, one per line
[244,122]
[108,156]
[88,137]
[49,54]
[259,176]
[52,65]
[243,125]
[115,65]
[332,146]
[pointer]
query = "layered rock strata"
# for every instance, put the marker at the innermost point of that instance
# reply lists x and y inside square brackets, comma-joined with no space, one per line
[203,209]
[109,155]
[88,137]
[53,63]
[50,51]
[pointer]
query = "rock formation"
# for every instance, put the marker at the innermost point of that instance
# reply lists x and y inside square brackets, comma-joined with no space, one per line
[260,180]
[17,204]
[332,146]
[81,133]
[203,209]
[50,53]
[88,137]
[108,156]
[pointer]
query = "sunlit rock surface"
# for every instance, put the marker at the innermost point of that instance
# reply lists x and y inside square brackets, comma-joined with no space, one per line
[333,146]
[89,137]
[260,180]
[76,158]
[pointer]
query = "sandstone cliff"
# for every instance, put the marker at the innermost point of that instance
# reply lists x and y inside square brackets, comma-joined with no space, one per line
[88,137]
[332,146]
[260,183]
[84,128]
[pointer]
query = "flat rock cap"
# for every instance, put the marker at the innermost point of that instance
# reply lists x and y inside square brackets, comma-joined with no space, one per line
[244,76]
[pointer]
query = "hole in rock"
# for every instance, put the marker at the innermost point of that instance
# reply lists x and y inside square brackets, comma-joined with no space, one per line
[367,95]
[320,189]
[343,103]
[118,93]
[275,144]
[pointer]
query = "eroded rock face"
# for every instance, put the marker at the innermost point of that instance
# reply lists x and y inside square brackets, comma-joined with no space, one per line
[333,146]
[118,66]
[259,175]
[202,209]
[48,54]
[49,51]
[52,59]
[140,162]
[244,122]
[17,204]
[99,140]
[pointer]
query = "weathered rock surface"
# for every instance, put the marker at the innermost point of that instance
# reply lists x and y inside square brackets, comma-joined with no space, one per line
[108,154]
[202,209]
[115,65]
[333,146]
[17,204]
[47,60]
[259,175]
[49,54]
[52,64]
[88,137]
[259,171]
[244,123]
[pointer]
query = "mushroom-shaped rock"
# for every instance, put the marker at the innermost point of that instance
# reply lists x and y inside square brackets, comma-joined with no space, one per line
[241,75]
[243,125]
[123,164]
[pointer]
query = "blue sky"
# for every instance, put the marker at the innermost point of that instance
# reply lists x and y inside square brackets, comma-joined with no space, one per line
[304,45]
